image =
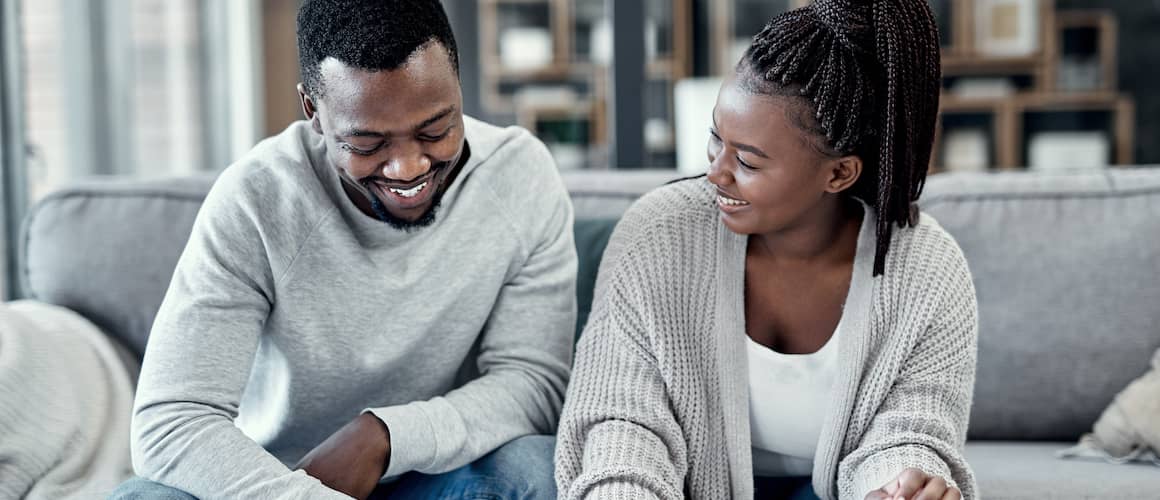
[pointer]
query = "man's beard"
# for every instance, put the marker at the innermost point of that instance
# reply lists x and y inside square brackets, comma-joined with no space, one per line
[399,223]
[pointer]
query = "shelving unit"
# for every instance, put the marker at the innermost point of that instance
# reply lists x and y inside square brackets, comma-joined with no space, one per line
[724,33]
[1040,92]
[572,65]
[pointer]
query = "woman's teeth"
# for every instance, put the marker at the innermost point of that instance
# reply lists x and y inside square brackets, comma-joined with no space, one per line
[730,201]
[409,193]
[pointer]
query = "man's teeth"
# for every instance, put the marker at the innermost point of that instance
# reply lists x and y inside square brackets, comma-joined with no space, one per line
[730,201]
[408,193]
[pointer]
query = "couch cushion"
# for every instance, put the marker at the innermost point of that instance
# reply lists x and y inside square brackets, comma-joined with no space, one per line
[1067,271]
[604,194]
[591,236]
[107,249]
[1015,471]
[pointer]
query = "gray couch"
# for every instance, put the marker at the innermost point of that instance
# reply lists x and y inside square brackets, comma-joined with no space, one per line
[1067,268]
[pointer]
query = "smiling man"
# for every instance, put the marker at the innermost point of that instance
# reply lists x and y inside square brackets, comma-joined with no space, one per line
[377,301]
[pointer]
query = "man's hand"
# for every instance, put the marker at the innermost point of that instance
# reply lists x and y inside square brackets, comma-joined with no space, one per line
[353,459]
[914,484]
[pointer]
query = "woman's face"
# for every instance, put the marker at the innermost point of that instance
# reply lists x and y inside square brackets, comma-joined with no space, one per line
[767,174]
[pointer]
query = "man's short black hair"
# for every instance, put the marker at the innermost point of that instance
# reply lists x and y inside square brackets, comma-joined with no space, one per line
[372,35]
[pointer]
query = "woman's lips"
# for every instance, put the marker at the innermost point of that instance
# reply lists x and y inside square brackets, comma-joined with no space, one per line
[729,204]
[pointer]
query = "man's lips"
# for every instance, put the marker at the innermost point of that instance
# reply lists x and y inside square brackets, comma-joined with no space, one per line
[403,185]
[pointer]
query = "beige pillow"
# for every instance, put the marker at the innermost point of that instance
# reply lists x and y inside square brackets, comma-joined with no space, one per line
[1129,429]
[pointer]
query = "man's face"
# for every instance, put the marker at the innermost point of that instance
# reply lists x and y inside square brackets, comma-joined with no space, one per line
[398,134]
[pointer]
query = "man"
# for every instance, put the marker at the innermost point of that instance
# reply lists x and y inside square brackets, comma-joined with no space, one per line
[385,290]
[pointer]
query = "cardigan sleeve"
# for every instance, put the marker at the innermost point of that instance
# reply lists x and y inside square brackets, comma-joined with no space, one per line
[922,423]
[618,437]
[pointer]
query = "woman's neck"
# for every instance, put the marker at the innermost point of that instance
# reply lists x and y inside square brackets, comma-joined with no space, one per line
[828,234]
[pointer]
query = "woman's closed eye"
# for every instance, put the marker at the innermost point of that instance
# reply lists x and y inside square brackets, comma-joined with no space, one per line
[744,164]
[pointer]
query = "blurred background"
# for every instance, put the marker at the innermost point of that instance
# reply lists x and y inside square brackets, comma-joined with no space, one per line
[177,87]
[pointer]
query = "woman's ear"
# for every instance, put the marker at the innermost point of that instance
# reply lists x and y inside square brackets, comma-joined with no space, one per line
[308,108]
[844,172]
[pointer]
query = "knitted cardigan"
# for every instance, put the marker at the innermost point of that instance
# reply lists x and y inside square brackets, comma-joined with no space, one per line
[658,403]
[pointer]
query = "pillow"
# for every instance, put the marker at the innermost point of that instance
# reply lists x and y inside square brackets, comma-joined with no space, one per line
[66,397]
[1129,429]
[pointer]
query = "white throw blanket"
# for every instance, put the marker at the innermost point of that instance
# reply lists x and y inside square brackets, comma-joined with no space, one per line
[66,398]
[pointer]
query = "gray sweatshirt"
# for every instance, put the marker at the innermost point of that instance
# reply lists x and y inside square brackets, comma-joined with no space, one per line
[291,312]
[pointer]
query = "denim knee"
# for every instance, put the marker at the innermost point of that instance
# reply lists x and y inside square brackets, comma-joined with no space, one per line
[527,461]
[143,489]
[519,470]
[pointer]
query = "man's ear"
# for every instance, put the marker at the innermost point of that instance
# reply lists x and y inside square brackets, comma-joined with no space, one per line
[843,173]
[309,109]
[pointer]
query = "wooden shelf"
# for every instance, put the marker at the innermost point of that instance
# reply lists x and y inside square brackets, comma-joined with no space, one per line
[959,64]
[515,2]
[955,104]
[555,71]
[1033,101]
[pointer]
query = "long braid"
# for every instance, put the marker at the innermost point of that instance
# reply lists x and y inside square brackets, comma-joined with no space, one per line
[870,70]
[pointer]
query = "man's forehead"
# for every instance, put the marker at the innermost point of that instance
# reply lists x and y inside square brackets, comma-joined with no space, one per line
[350,125]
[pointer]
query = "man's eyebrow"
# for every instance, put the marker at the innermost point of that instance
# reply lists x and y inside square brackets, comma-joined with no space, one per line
[436,117]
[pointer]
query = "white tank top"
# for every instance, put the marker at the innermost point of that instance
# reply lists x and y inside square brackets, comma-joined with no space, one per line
[788,398]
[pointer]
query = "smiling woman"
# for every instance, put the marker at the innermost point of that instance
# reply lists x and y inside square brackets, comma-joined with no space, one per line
[788,324]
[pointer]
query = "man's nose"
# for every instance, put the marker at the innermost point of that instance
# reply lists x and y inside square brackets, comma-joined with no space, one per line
[406,166]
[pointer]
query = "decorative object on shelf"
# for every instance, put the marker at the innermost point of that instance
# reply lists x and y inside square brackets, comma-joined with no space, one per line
[1068,150]
[567,156]
[545,95]
[525,48]
[983,88]
[694,99]
[600,41]
[966,150]
[1007,28]
[1087,51]
[658,135]
[1079,73]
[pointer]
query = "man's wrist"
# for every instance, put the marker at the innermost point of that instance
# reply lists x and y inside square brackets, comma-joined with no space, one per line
[384,442]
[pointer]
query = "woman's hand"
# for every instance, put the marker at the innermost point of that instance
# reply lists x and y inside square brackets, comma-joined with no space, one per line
[914,484]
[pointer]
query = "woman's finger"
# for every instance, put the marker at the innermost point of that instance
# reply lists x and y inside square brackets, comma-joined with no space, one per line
[910,481]
[935,488]
[952,494]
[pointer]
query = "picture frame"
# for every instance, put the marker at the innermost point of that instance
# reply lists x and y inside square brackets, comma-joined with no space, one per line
[1007,28]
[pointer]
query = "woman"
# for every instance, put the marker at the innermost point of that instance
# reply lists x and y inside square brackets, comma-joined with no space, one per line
[790,319]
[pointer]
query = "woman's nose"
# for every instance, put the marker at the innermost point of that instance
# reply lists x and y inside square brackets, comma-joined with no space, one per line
[719,173]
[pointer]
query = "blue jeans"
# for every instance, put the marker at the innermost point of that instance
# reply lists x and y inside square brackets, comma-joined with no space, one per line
[521,470]
[785,488]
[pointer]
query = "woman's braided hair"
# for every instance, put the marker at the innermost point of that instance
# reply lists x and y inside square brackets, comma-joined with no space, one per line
[870,69]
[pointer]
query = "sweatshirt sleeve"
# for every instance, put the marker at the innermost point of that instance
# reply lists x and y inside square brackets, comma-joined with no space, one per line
[525,348]
[198,360]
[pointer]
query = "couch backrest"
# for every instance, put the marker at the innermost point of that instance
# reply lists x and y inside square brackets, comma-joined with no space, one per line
[107,248]
[1066,266]
[1067,272]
